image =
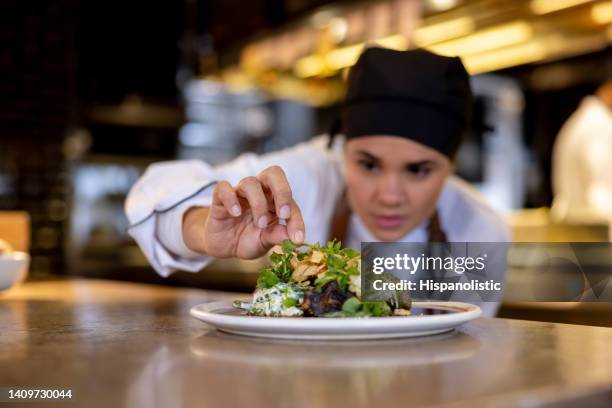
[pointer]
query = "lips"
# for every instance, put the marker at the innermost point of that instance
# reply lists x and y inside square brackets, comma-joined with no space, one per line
[388,221]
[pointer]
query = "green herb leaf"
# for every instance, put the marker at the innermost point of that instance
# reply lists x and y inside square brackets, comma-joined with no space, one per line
[288,246]
[324,280]
[267,279]
[351,305]
[376,308]
[349,252]
[289,302]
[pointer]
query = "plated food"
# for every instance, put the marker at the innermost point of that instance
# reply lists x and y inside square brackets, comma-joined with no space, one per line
[325,281]
[310,280]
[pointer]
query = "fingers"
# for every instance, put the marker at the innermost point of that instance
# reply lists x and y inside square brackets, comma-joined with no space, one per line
[275,180]
[269,198]
[251,189]
[295,224]
[225,197]
[273,235]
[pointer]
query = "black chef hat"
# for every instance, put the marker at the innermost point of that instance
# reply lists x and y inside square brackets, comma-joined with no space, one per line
[413,94]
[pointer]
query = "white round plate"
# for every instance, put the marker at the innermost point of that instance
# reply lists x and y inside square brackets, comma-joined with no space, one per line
[223,316]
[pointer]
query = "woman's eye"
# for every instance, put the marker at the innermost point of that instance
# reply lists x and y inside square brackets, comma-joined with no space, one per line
[368,165]
[419,171]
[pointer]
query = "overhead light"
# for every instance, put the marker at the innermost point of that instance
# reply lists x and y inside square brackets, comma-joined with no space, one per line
[549,6]
[485,40]
[321,18]
[394,42]
[441,5]
[602,12]
[434,33]
[544,48]
[338,28]
[347,56]
[343,57]
[569,45]
[505,58]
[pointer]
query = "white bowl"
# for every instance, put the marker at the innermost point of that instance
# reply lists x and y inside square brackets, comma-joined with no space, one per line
[13,269]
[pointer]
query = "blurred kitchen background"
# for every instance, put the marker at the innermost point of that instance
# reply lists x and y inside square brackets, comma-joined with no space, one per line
[91,92]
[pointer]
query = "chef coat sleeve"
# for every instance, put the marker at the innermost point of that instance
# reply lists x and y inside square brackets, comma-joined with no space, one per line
[157,202]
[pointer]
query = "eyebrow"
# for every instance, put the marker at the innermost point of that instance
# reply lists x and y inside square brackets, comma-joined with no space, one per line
[419,163]
[367,155]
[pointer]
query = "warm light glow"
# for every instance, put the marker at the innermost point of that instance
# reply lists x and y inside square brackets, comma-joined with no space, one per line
[547,47]
[569,45]
[343,57]
[602,12]
[321,18]
[505,58]
[548,6]
[441,5]
[338,28]
[486,50]
[485,40]
[394,42]
[434,33]
[309,66]
[347,56]
[609,33]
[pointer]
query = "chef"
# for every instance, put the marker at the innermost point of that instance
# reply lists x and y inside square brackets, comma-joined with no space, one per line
[387,176]
[582,165]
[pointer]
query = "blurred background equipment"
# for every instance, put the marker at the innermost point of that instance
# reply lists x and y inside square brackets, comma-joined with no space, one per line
[92,92]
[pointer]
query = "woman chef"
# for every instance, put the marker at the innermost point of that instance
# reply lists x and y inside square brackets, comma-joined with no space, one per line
[389,179]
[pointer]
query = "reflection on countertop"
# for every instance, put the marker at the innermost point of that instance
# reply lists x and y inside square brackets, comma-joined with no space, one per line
[124,344]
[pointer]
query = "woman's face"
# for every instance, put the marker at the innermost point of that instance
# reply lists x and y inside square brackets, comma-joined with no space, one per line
[393,183]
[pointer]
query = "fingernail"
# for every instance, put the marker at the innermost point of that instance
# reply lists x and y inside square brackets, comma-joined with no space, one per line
[263,221]
[298,236]
[284,212]
[236,209]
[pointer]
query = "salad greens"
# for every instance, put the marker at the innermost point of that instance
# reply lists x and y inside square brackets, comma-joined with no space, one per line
[313,280]
[280,269]
[354,307]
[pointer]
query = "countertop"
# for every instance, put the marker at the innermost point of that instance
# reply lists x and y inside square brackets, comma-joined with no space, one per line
[122,344]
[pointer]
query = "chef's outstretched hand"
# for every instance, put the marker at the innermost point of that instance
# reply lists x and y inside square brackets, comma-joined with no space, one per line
[243,221]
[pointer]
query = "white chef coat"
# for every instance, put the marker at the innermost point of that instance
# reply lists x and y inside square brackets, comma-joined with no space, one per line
[157,202]
[582,168]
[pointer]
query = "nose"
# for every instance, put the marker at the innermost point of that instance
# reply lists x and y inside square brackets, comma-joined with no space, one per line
[390,192]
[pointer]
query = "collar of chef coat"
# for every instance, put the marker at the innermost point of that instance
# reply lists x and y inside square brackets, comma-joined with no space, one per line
[358,233]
